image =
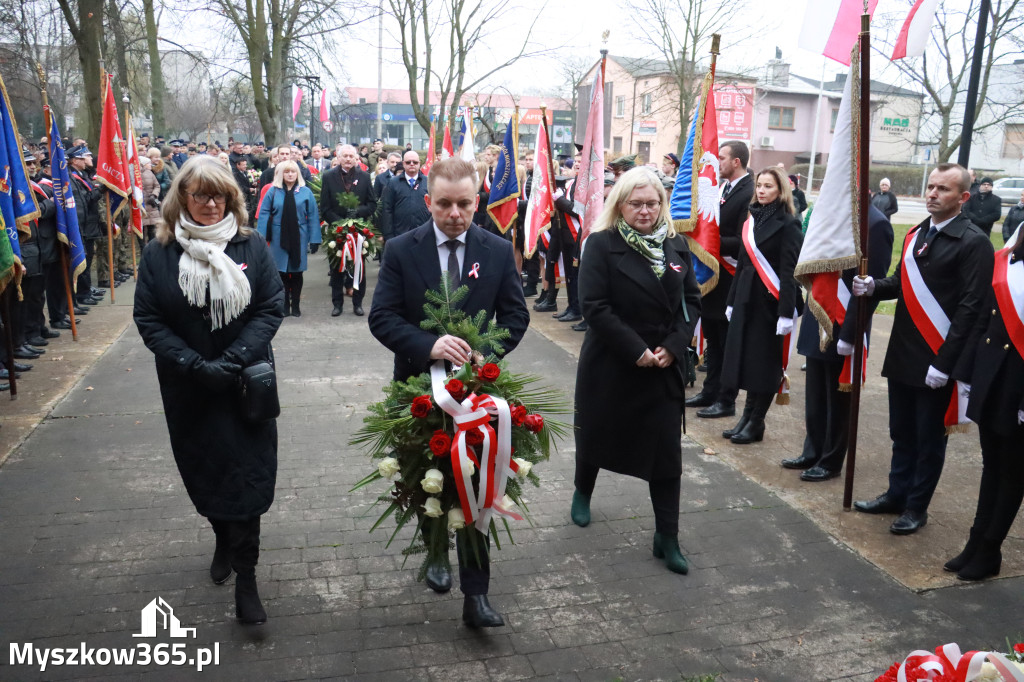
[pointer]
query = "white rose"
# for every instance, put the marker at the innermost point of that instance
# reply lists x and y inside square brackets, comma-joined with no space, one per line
[456,519]
[524,467]
[331,244]
[432,508]
[388,467]
[366,249]
[338,254]
[433,481]
[507,502]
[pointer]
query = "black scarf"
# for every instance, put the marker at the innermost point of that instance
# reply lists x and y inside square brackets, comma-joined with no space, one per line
[762,212]
[290,230]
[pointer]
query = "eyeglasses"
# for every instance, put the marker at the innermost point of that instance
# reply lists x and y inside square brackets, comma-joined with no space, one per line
[411,163]
[651,206]
[204,199]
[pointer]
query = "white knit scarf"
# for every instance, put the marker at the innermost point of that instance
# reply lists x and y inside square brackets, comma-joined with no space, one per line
[204,263]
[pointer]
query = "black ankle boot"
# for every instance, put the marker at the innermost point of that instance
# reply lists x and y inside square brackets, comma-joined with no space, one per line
[740,425]
[248,607]
[751,432]
[985,563]
[580,510]
[287,300]
[220,567]
[960,560]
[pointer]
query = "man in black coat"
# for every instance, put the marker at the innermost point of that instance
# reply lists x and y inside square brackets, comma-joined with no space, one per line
[737,192]
[414,263]
[827,407]
[347,178]
[49,255]
[86,193]
[402,206]
[984,208]
[950,259]
[382,179]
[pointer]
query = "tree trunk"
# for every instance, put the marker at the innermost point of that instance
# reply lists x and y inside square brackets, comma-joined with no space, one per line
[156,72]
[86,27]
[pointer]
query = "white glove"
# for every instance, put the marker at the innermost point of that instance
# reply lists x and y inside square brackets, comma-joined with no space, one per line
[844,348]
[784,326]
[935,378]
[728,313]
[1020,416]
[965,390]
[863,286]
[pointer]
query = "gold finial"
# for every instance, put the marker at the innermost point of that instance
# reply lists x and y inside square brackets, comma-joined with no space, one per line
[604,36]
[715,39]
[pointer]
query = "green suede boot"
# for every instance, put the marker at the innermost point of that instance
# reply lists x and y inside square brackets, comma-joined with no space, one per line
[580,511]
[667,547]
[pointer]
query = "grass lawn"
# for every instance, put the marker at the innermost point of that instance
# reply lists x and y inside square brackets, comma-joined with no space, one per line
[889,307]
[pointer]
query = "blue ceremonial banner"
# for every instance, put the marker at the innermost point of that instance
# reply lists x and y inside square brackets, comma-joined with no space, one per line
[17,201]
[64,202]
[503,205]
[680,204]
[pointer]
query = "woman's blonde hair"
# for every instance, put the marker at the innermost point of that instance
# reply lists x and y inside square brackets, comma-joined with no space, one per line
[782,182]
[481,173]
[201,175]
[631,180]
[279,170]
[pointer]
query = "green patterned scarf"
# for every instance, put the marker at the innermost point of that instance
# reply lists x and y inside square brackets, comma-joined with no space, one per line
[647,245]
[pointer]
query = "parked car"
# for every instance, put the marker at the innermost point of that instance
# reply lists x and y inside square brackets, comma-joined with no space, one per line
[1008,189]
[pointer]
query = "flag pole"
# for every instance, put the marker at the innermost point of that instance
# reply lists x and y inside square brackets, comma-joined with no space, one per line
[64,264]
[862,217]
[5,299]
[127,137]
[110,220]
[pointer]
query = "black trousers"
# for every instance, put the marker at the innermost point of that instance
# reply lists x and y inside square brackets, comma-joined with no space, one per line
[756,405]
[1002,482]
[474,564]
[56,294]
[664,497]
[916,416]
[242,539]
[341,281]
[563,245]
[827,414]
[33,290]
[715,332]
[292,282]
[85,279]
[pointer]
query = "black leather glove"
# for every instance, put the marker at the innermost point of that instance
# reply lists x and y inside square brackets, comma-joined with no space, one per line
[353,213]
[217,375]
[313,248]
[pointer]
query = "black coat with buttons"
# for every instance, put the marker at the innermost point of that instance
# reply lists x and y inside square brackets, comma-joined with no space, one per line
[228,464]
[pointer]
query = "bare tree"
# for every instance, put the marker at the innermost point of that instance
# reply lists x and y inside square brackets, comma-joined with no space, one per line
[573,69]
[156,76]
[944,70]
[85,22]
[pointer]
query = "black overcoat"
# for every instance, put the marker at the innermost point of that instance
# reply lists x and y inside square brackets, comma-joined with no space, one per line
[753,352]
[336,181]
[628,418]
[228,464]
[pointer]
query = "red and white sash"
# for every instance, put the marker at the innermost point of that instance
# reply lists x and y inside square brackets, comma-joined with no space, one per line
[771,282]
[1008,282]
[931,322]
[352,252]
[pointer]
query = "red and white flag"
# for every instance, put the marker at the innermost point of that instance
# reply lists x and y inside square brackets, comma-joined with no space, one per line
[831,27]
[429,161]
[447,150]
[325,105]
[589,199]
[913,37]
[542,203]
[296,101]
[110,162]
[131,162]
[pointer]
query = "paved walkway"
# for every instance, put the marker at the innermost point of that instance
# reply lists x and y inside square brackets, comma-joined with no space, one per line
[95,524]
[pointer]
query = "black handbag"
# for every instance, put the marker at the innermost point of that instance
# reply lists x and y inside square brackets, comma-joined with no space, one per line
[259,392]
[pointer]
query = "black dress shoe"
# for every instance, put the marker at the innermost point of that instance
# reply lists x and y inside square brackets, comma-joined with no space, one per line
[22,367]
[97,292]
[104,284]
[4,374]
[357,310]
[38,341]
[336,311]
[719,409]
[477,612]
[49,334]
[751,433]
[37,351]
[883,504]
[909,522]
[79,310]
[545,306]
[529,290]
[23,353]
[801,462]
[88,300]
[581,326]
[571,317]
[816,474]
[63,324]
[700,400]
[439,577]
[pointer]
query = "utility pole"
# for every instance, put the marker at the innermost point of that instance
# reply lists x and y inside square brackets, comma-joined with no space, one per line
[380,69]
[971,105]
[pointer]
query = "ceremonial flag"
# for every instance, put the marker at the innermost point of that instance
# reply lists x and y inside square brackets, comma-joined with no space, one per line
[325,106]
[425,166]
[447,150]
[296,101]
[468,152]
[503,204]
[695,203]
[131,161]
[64,203]
[542,203]
[17,200]
[832,242]
[913,38]
[110,163]
[831,27]
[589,199]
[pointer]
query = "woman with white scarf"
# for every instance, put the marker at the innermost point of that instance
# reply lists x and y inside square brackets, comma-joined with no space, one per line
[208,303]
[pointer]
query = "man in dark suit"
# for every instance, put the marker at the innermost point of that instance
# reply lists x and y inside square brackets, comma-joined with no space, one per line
[737,192]
[347,178]
[413,263]
[940,288]
[827,412]
[403,207]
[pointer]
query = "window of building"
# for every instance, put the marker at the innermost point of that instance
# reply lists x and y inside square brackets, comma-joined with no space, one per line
[646,102]
[620,106]
[1013,141]
[616,144]
[835,117]
[781,117]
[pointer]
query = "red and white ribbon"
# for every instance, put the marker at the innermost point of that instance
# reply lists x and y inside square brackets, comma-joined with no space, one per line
[846,374]
[948,662]
[474,271]
[495,462]
[353,252]
[764,269]
[1008,282]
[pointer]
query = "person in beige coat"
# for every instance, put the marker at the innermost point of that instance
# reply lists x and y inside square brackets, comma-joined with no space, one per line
[150,197]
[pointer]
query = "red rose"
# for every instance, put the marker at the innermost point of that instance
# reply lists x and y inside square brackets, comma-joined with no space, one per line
[489,372]
[366,232]
[518,415]
[421,406]
[890,674]
[474,437]
[534,423]
[457,389]
[1019,647]
[441,444]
